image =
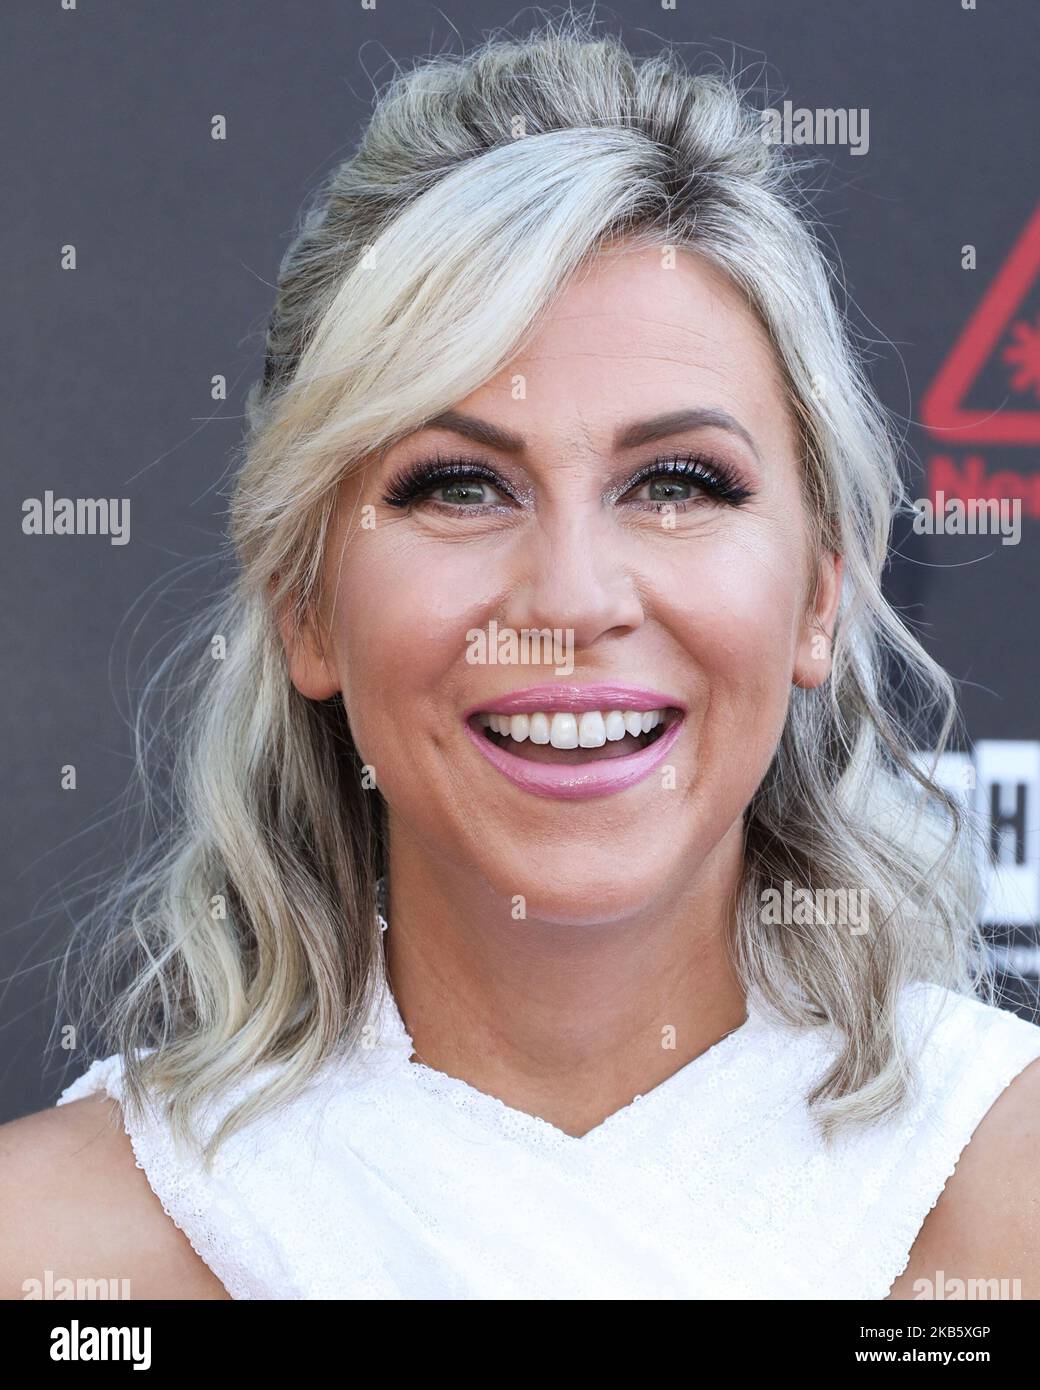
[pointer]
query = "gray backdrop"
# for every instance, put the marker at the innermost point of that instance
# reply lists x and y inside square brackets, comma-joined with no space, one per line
[177,237]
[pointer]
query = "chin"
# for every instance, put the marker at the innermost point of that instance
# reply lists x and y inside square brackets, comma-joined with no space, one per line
[581,884]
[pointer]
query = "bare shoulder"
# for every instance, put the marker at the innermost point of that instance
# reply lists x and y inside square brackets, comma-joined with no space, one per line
[986,1224]
[74,1202]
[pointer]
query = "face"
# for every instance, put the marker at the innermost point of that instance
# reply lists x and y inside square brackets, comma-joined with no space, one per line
[629,485]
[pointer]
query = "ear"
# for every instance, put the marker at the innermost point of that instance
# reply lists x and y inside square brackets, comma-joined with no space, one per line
[813,657]
[309,671]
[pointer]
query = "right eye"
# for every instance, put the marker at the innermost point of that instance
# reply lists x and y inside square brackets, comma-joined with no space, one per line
[461,484]
[461,492]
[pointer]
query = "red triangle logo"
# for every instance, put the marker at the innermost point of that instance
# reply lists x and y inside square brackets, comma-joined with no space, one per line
[942,408]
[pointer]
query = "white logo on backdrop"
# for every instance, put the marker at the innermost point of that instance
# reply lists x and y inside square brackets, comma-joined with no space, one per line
[999,781]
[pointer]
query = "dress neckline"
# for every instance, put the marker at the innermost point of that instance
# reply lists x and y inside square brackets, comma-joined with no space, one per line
[708,1068]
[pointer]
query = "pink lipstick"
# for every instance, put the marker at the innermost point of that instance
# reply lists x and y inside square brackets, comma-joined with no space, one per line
[495,725]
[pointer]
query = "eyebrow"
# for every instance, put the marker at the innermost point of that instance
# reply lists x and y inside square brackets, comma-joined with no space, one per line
[479,430]
[678,422]
[630,437]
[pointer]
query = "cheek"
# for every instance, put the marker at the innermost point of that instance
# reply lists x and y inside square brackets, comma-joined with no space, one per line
[399,641]
[740,635]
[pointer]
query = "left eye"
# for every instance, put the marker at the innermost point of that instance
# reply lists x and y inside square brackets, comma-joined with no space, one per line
[465,492]
[664,489]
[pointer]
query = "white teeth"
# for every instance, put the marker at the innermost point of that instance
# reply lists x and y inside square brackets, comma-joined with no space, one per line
[592,732]
[539,728]
[563,731]
[590,729]
[614,725]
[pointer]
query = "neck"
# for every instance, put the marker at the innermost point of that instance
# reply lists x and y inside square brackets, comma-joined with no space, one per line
[566,1022]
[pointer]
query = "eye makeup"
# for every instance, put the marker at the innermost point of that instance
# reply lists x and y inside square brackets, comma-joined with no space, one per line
[716,481]
[417,480]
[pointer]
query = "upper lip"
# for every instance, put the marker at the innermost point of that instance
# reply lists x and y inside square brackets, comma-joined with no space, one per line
[575,699]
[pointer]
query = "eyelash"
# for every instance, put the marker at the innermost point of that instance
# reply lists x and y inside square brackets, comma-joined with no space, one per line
[418,480]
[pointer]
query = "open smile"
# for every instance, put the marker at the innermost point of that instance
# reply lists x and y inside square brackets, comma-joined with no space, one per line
[576,741]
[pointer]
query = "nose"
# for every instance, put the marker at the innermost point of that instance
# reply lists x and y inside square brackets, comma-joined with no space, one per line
[571,574]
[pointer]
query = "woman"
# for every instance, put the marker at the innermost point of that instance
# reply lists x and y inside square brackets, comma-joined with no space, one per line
[680,992]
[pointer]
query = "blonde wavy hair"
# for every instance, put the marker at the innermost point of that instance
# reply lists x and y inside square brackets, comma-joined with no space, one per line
[246,934]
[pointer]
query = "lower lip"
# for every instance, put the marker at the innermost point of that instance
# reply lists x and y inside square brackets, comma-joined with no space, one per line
[578,781]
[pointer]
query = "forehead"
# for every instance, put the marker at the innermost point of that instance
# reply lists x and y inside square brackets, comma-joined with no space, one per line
[635,334]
